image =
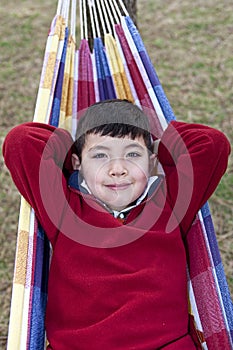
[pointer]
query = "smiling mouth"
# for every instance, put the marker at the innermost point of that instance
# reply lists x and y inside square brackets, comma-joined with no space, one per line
[119,187]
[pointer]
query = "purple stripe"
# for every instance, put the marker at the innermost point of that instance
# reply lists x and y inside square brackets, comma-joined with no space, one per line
[41,266]
[105,82]
[151,72]
[37,329]
[142,51]
[226,297]
[212,240]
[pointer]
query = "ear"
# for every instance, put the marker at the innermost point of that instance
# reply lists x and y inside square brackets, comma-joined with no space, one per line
[153,161]
[75,162]
[156,146]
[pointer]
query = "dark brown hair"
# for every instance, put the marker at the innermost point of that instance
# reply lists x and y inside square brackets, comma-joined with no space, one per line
[115,118]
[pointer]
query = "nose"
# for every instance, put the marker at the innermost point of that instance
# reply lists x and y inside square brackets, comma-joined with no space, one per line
[117,168]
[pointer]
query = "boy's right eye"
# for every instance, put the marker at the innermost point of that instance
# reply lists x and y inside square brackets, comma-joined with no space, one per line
[99,155]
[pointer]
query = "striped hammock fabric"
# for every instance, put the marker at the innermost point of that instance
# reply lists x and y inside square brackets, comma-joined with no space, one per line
[110,62]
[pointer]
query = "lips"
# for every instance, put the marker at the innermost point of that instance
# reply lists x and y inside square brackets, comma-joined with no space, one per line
[115,187]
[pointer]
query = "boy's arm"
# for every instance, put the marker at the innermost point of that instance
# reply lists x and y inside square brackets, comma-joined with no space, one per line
[34,153]
[194,158]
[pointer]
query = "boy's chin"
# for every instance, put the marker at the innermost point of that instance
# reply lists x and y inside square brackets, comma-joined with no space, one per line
[121,203]
[119,207]
[116,206]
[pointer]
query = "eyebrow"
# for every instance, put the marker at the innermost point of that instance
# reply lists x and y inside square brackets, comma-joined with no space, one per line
[135,145]
[105,148]
[99,148]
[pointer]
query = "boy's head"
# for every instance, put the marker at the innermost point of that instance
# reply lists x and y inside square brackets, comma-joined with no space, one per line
[114,152]
[115,118]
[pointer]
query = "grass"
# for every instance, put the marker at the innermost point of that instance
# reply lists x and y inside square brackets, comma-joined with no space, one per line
[190,44]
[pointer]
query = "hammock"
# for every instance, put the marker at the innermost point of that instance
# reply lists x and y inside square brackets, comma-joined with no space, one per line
[71,80]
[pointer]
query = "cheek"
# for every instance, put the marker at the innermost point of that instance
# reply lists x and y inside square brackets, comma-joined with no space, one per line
[93,176]
[142,182]
[140,171]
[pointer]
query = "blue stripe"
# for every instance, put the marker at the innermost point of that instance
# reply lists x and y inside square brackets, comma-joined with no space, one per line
[39,297]
[37,330]
[212,240]
[226,297]
[55,113]
[164,103]
[205,210]
[105,82]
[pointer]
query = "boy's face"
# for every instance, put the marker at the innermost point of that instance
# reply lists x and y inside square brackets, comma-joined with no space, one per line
[116,170]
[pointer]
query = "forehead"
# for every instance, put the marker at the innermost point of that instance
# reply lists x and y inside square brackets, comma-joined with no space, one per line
[93,141]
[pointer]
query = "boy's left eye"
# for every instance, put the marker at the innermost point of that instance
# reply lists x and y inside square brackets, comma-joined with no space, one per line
[133,155]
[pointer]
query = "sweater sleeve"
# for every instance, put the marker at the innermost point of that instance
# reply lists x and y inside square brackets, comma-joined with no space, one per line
[34,154]
[194,158]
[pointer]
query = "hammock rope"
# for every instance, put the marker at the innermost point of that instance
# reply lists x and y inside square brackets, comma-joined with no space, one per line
[118,66]
[73,20]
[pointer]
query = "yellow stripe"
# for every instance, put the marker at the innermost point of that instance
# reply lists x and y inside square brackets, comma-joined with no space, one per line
[66,78]
[69,106]
[49,72]
[67,88]
[60,26]
[117,68]
[64,92]
[21,258]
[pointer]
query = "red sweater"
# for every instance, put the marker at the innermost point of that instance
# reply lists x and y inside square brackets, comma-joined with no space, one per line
[129,296]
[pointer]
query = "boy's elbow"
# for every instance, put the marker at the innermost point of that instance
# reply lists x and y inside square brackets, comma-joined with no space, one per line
[222,150]
[13,142]
[222,144]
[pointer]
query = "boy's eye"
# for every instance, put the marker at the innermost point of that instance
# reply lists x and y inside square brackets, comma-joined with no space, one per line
[100,155]
[133,154]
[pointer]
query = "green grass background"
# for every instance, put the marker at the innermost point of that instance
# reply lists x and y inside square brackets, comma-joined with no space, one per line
[190,44]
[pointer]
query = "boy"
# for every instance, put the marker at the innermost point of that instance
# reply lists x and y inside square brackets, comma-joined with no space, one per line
[118,273]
